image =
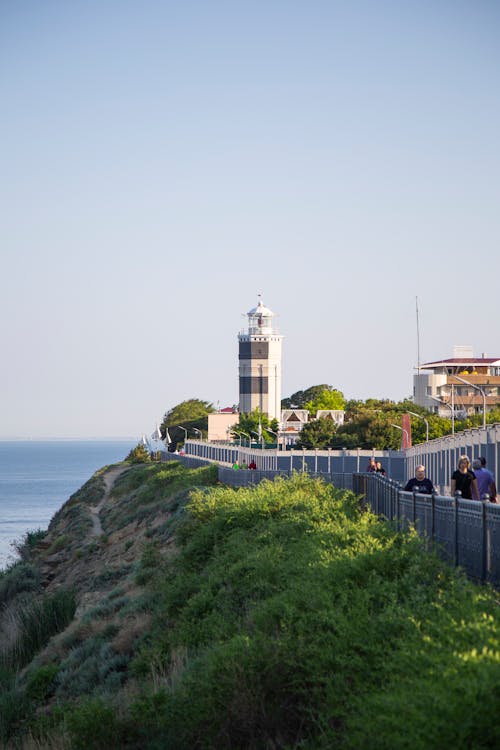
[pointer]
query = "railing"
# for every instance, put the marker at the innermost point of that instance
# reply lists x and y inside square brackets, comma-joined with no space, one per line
[464,532]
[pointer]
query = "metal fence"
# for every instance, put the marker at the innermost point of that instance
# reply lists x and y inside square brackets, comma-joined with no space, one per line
[465,532]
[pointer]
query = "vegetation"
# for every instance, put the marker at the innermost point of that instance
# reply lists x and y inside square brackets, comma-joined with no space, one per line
[318,433]
[257,424]
[277,616]
[139,455]
[191,414]
[299,399]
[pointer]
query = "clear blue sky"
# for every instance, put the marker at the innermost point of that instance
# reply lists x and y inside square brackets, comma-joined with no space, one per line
[163,162]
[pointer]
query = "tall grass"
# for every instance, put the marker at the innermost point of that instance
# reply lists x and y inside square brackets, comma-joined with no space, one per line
[33,623]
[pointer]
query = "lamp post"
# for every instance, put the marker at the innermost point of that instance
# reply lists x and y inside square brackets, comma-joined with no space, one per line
[439,400]
[483,394]
[402,430]
[186,432]
[414,414]
[259,438]
[239,435]
[195,429]
[247,436]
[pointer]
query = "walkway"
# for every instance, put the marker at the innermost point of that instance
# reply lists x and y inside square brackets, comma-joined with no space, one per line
[109,479]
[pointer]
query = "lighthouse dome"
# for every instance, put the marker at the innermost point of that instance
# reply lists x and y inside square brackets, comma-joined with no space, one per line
[261,309]
[260,320]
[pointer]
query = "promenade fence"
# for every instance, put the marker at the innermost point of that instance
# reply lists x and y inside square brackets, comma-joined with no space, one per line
[464,532]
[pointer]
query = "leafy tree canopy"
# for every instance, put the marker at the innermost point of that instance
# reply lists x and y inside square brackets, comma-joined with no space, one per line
[299,399]
[249,424]
[319,433]
[187,411]
[192,415]
[328,398]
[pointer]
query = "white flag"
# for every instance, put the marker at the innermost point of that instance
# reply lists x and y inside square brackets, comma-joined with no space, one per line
[167,436]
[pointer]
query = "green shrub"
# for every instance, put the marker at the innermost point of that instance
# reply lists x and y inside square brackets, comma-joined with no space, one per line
[18,578]
[91,667]
[28,542]
[41,682]
[58,544]
[139,454]
[93,724]
[308,623]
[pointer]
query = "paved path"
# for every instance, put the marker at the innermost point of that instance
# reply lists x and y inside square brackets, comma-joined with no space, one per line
[109,479]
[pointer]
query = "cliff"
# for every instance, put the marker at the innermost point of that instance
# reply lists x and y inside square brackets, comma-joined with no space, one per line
[162,610]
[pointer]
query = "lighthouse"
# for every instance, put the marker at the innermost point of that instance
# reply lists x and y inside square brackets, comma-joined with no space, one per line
[260,363]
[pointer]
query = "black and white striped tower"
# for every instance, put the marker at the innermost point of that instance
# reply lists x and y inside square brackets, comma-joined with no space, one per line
[260,364]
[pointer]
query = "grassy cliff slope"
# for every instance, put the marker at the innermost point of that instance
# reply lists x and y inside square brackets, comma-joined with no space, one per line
[279,616]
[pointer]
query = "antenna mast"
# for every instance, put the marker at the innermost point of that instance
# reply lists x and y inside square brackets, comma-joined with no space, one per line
[418,338]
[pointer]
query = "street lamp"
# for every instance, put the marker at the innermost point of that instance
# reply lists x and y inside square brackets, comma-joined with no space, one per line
[247,436]
[239,435]
[275,434]
[439,400]
[260,438]
[186,432]
[414,414]
[402,430]
[483,394]
[195,429]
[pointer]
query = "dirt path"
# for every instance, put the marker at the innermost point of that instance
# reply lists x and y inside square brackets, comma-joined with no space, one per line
[109,479]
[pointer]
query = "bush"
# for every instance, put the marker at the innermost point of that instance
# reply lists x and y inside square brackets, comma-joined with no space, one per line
[306,622]
[19,578]
[93,724]
[139,455]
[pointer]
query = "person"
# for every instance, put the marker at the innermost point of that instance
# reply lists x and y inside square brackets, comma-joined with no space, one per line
[243,465]
[379,468]
[485,480]
[252,465]
[372,466]
[420,483]
[464,480]
[236,465]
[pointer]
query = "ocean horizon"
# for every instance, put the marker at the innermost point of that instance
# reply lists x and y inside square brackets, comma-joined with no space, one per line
[37,476]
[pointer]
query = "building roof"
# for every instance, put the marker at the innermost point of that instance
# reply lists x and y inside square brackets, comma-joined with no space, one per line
[261,309]
[465,361]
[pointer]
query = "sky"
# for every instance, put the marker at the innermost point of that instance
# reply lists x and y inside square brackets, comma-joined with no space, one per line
[163,163]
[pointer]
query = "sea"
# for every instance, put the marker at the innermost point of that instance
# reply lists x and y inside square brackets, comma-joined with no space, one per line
[38,476]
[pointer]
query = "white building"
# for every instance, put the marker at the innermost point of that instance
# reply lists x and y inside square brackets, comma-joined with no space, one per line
[462,385]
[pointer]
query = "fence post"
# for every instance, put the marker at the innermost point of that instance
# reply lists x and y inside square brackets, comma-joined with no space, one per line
[457,496]
[414,507]
[484,545]
[433,515]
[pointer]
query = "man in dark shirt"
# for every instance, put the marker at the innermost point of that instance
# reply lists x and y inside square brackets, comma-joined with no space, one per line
[420,483]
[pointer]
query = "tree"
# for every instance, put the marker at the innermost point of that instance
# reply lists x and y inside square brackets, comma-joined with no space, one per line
[249,424]
[191,414]
[187,411]
[138,455]
[328,398]
[300,398]
[319,433]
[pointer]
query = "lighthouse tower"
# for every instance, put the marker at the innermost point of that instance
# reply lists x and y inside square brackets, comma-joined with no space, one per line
[260,364]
